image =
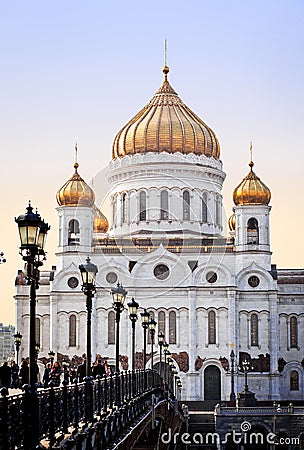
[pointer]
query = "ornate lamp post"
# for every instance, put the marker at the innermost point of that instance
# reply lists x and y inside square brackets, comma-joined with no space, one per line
[119,295]
[133,308]
[145,316]
[51,355]
[152,327]
[88,273]
[2,259]
[161,340]
[246,398]
[32,232]
[166,353]
[232,359]
[17,342]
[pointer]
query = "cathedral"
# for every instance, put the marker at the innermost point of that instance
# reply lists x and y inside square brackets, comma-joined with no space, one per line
[164,242]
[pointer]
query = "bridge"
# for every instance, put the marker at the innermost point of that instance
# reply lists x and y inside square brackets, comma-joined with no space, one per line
[125,410]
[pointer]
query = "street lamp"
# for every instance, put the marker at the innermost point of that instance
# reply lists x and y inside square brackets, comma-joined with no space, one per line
[246,398]
[32,232]
[17,342]
[145,316]
[88,273]
[51,356]
[133,308]
[2,260]
[232,359]
[119,295]
[245,366]
[152,328]
[161,340]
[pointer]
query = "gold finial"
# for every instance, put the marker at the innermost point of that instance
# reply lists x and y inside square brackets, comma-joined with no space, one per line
[251,163]
[76,165]
[165,68]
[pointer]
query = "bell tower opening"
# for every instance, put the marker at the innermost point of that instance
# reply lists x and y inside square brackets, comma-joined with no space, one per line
[252,231]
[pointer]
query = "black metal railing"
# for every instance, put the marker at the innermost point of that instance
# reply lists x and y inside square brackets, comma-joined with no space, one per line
[109,404]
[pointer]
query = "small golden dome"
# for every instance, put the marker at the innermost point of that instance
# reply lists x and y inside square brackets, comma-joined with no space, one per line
[75,192]
[231,222]
[100,222]
[166,124]
[251,191]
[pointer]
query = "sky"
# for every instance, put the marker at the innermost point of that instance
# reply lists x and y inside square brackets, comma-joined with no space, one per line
[77,71]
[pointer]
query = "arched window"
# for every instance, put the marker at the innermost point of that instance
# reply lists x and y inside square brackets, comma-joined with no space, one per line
[172,327]
[37,331]
[152,316]
[164,205]
[142,206]
[204,208]
[72,331]
[211,327]
[186,205]
[293,332]
[294,380]
[111,327]
[252,231]
[218,211]
[162,322]
[254,330]
[73,238]
[124,207]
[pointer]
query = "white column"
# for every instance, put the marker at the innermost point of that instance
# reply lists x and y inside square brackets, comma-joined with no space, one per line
[53,324]
[192,383]
[177,329]
[273,332]
[232,319]
[288,332]
[192,328]
[94,337]
[248,332]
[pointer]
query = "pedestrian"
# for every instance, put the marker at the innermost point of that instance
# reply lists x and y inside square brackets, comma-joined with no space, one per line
[5,375]
[24,373]
[81,371]
[107,369]
[98,369]
[14,375]
[46,375]
[55,373]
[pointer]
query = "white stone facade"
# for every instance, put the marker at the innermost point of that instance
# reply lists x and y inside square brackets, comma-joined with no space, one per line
[209,292]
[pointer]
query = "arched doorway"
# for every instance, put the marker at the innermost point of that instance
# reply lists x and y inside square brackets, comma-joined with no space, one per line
[212,383]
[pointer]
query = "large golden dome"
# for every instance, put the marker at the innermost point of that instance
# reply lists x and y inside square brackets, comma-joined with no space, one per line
[251,191]
[100,222]
[165,124]
[75,192]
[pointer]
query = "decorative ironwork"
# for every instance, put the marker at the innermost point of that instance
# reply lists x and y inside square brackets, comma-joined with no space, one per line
[117,401]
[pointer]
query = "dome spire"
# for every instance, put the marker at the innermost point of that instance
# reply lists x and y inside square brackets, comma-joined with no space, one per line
[165,68]
[76,165]
[251,163]
[251,190]
[75,191]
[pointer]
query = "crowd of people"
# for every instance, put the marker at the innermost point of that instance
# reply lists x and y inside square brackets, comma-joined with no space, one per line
[14,377]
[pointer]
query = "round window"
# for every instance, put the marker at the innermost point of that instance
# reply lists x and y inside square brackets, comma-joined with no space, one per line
[161,272]
[253,281]
[211,277]
[111,277]
[73,282]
